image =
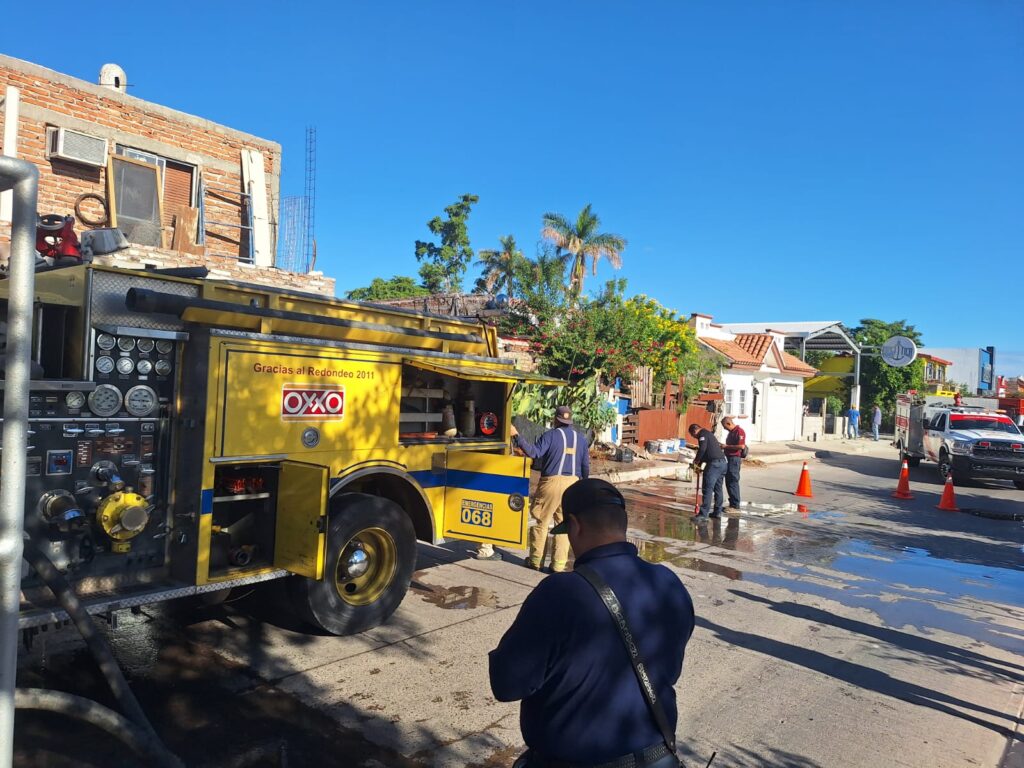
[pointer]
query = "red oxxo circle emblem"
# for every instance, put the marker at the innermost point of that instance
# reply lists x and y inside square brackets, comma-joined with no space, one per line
[301,402]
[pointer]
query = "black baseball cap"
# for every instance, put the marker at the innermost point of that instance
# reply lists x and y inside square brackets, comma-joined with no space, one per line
[563,414]
[584,496]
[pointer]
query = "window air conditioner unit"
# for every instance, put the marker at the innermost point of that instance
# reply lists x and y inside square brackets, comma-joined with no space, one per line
[77,147]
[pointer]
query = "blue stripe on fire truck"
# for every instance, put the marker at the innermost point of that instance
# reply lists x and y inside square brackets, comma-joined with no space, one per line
[472,481]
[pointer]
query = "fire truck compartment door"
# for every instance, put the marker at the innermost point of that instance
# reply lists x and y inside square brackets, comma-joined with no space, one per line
[300,531]
[482,491]
[479,373]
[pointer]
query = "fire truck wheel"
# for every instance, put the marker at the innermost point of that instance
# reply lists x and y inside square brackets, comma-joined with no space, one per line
[371,553]
[945,466]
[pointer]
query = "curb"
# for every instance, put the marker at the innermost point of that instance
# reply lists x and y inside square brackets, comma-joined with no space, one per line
[676,472]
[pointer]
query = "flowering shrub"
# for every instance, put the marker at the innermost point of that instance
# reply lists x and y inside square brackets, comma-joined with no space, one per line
[611,336]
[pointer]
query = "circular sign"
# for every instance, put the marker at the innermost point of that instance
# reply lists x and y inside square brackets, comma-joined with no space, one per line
[488,423]
[899,351]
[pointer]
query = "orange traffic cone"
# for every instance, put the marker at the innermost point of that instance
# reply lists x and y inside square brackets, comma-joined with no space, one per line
[948,501]
[803,488]
[903,487]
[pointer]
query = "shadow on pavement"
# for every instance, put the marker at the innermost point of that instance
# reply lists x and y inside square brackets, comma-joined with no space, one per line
[212,710]
[864,677]
[956,659]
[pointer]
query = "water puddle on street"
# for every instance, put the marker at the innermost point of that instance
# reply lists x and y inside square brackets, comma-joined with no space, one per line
[455,598]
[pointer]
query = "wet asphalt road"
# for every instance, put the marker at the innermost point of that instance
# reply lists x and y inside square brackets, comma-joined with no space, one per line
[854,631]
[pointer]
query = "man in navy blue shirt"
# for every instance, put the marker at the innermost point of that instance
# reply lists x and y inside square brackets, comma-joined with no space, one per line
[564,457]
[564,658]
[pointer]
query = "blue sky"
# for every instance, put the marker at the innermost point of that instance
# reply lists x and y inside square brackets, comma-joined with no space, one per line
[788,160]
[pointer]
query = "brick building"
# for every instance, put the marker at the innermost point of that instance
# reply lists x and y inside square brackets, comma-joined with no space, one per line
[184,190]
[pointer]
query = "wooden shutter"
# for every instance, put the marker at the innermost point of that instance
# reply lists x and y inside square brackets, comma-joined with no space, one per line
[177,189]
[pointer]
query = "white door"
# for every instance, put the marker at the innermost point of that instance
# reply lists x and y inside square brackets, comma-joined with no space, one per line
[780,411]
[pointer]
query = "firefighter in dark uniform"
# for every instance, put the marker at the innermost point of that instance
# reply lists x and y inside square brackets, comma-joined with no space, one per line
[564,458]
[711,460]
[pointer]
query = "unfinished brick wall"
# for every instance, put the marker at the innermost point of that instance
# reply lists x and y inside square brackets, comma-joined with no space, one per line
[48,98]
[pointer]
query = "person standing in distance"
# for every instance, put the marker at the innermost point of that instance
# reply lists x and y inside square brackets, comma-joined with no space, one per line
[564,659]
[735,450]
[711,460]
[564,458]
[876,420]
[853,423]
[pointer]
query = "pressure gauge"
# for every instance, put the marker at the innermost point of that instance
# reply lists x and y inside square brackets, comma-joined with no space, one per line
[105,400]
[74,401]
[125,365]
[140,401]
[163,367]
[144,367]
[165,347]
[145,345]
[125,343]
[104,364]
[105,342]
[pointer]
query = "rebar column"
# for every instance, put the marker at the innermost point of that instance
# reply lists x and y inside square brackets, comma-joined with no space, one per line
[23,178]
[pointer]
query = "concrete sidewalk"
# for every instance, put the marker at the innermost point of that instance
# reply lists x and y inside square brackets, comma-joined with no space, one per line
[760,454]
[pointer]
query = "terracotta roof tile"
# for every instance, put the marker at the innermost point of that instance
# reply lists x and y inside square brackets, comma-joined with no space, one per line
[793,364]
[755,344]
[738,356]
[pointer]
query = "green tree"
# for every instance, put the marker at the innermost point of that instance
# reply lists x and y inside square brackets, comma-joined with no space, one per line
[499,267]
[880,383]
[582,240]
[398,287]
[539,287]
[442,266]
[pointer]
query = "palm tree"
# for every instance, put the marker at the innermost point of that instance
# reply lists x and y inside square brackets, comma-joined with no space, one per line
[581,240]
[499,266]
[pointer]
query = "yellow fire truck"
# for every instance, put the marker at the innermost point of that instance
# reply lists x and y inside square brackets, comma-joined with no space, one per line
[191,435]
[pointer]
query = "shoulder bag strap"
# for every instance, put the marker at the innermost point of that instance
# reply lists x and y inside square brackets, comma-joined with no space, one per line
[611,602]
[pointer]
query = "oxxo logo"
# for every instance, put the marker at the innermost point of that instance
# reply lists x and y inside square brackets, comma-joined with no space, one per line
[304,403]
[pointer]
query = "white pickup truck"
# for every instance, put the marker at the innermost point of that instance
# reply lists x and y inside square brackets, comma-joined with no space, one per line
[969,441]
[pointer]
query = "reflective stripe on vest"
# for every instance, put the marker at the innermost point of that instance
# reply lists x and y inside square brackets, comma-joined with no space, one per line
[568,453]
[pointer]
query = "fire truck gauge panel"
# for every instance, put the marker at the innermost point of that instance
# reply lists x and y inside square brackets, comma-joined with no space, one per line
[125,343]
[146,345]
[144,366]
[104,364]
[105,342]
[163,367]
[125,365]
[165,347]
[74,401]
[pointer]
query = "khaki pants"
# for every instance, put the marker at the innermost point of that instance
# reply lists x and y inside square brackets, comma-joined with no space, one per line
[546,506]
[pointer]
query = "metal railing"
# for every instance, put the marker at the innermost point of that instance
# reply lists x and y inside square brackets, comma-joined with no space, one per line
[22,178]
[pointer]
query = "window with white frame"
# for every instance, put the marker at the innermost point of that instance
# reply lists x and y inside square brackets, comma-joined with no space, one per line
[730,395]
[743,403]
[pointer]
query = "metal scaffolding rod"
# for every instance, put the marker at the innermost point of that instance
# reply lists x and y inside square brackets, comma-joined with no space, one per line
[310,194]
[23,179]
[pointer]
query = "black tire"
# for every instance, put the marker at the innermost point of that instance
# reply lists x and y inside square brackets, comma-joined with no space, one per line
[945,466]
[912,461]
[356,520]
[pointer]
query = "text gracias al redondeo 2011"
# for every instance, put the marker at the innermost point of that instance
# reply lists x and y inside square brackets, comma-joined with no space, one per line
[309,370]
